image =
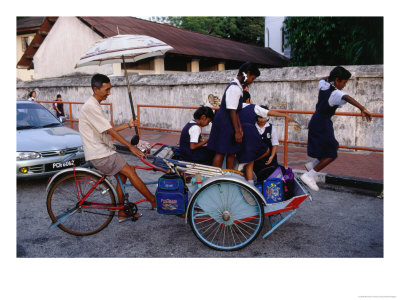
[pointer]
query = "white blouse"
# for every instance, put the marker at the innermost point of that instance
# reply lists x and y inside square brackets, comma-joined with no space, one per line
[194,132]
[336,96]
[274,136]
[233,94]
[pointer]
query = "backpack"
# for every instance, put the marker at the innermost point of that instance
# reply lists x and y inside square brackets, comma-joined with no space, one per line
[273,190]
[285,175]
[288,184]
[171,195]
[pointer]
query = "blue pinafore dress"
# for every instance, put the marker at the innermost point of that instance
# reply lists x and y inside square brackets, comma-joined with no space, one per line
[200,155]
[248,115]
[321,137]
[266,138]
[253,145]
[222,135]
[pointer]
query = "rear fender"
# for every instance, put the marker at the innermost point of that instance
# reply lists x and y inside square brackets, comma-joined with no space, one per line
[233,178]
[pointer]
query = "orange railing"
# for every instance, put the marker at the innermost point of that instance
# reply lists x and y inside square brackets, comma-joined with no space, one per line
[71,120]
[285,141]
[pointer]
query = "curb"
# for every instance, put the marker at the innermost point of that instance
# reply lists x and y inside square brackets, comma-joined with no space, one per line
[354,182]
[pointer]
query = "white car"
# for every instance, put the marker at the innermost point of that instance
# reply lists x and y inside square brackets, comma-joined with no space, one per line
[43,142]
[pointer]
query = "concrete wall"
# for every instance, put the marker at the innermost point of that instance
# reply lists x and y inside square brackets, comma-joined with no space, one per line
[294,88]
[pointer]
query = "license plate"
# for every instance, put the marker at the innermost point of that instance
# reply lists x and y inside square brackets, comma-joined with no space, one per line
[58,165]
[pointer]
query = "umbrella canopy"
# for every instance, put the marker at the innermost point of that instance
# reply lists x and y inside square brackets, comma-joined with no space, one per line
[122,49]
[130,48]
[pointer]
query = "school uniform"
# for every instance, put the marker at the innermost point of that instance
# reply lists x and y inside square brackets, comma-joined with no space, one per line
[321,137]
[249,113]
[253,145]
[222,135]
[191,133]
[270,138]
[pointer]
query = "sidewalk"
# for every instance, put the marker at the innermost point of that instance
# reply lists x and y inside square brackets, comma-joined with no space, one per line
[360,169]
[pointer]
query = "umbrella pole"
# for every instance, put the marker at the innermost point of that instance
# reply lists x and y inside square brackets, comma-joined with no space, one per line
[135,139]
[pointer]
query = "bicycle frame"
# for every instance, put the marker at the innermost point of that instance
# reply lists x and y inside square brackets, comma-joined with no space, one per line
[94,205]
[99,183]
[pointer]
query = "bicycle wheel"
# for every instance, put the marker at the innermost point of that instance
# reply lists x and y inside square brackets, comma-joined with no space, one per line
[226,215]
[62,204]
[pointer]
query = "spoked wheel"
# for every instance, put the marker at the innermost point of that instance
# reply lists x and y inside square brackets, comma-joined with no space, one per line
[92,216]
[226,215]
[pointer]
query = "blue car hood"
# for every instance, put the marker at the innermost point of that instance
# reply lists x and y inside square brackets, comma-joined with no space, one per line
[45,139]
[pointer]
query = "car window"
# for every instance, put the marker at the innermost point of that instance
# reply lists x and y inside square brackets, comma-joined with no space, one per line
[31,115]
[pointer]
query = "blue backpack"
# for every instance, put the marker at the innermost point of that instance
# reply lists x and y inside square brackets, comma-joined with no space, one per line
[171,195]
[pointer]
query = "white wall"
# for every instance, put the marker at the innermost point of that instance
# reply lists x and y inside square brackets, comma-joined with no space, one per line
[273,33]
[23,74]
[294,88]
[66,42]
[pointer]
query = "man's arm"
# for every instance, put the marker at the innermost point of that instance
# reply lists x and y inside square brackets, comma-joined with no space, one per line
[120,139]
[131,124]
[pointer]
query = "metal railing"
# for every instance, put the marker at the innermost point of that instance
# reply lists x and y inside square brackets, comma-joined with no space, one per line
[285,141]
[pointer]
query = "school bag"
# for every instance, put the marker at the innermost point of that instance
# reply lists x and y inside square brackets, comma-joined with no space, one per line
[171,195]
[285,175]
[273,191]
[288,183]
[265,173]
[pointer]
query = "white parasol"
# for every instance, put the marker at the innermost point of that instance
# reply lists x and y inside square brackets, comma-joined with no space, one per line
[122,49]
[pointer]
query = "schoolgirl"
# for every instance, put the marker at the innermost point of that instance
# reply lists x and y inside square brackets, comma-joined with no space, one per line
[191,145]
[270,138]
[226,133]
[322,145]
[255,141]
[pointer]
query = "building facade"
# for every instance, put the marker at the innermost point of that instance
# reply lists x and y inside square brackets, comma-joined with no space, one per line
[274,35]
[60,42]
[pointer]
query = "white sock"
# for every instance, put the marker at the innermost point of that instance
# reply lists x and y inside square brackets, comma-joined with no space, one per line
[312,173]
[315,162]
[251,181]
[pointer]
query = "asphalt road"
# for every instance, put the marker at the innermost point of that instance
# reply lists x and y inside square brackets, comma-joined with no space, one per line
[338,223]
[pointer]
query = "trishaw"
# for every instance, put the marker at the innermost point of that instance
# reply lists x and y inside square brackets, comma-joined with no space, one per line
[224,211]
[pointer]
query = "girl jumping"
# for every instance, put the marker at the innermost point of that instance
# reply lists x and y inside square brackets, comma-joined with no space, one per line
[322,145]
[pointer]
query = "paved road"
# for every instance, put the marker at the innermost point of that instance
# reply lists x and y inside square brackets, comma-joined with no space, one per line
[337,223]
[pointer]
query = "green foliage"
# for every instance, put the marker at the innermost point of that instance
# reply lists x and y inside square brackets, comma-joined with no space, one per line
[334,40]
[248,30]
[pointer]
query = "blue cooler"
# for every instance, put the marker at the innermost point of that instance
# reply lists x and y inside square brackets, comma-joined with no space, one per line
[259,186]
[171,195]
